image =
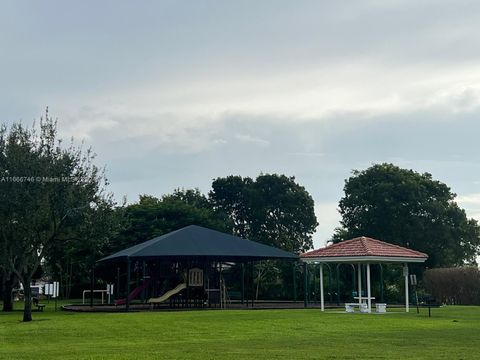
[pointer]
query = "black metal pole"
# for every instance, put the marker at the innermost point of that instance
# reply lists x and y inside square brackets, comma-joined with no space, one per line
[243,283]
[136,270]
[364,274]
[247,284]
[305,285]
[221,287]
[416,299]
[92,284]
[330,282]
[127,304]
[253,284]
[338,284]
[354,278]
[381,283]
[143,280]
[294,282]
[118,283]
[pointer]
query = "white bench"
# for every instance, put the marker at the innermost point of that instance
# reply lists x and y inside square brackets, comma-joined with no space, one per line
[381,308]
[350,307]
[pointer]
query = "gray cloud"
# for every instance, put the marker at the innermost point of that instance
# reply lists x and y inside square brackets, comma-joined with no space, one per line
[174,94]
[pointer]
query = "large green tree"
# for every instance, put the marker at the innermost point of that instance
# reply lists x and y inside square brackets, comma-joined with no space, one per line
[87,239]
[410,209]
[47,191]
[272,209]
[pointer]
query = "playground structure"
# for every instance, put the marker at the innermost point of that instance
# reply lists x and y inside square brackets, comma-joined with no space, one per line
[185,268]
[167,295]
[134,294]
[177,285]
[174,284]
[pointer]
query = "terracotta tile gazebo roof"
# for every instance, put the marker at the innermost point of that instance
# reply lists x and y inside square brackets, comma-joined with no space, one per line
[364,247]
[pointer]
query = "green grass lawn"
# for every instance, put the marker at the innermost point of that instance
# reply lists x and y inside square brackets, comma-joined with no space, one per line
[452,333]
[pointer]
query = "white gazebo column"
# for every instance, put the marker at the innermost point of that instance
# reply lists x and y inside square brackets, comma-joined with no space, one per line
[405,274]
[369,293]
[359,276]
[322,301]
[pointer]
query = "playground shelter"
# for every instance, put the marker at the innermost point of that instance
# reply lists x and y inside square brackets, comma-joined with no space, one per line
[363,251]
[200,252]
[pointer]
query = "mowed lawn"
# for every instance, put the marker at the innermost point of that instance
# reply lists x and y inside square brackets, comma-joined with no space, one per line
[452,333]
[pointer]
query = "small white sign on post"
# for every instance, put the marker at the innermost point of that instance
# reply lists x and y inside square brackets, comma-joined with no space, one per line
[49,290]
[413,279]
[55,289]
[109,291]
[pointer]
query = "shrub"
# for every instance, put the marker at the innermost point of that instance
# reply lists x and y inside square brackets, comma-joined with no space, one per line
[454,286]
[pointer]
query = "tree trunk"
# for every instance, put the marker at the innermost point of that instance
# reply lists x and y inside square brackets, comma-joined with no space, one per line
[27,310]
[7,288]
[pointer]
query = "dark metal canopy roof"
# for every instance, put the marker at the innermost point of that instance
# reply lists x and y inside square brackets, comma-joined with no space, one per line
[196,241]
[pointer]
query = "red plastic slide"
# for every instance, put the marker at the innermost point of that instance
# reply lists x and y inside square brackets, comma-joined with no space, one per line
[133,294]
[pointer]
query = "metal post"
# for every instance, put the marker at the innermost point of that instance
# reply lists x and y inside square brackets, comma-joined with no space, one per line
[381,284]
[92,284]
[243,283]
[416,299]
[118,283]
[354,276]
[295,282]
[221,287]
[137,274]
[143,280]
[322,301]
[369,293]
[359,274]
[405,274]
[330,282]
[127,304]
[305,285]
[247,285]
[253,283]
[338,284]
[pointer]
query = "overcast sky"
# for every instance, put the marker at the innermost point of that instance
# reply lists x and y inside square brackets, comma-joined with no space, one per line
[176,93]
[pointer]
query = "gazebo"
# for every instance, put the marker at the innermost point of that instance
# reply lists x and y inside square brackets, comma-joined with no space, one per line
[195,250]
[364,250]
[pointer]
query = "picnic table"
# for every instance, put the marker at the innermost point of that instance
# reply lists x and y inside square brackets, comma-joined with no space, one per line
[363,305]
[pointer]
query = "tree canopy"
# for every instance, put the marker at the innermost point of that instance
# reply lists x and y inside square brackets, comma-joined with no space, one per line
[410,209]
[272,209]
[51,198]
